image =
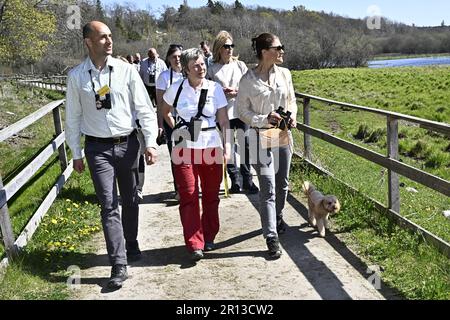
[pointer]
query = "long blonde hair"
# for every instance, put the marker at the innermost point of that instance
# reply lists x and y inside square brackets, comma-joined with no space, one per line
[220,40]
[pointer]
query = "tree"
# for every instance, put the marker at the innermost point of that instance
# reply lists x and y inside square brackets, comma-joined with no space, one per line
[443,23]
[99,11]
[25,31]
[238,6]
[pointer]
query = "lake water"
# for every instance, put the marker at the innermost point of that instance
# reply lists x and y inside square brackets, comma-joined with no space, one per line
[410,62]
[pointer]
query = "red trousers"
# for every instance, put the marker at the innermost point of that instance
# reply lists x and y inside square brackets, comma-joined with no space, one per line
[198,227]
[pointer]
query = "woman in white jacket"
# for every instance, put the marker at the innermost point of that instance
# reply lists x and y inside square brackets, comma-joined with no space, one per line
[262,91]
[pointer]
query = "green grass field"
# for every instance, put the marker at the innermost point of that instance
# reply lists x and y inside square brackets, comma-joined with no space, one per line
[421,92]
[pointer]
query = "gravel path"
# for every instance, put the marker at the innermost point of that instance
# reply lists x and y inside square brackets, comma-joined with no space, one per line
[310,267]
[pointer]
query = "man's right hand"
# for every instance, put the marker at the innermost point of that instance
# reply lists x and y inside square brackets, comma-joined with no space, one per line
[78,165]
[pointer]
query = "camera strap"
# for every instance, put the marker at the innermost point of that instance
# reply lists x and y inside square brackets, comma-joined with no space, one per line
[92,81]
[201,104]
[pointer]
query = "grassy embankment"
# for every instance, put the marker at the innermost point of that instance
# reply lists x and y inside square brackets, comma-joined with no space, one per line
[417,270]
[41,269]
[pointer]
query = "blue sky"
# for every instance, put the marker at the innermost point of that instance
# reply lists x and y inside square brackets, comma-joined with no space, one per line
[421,13]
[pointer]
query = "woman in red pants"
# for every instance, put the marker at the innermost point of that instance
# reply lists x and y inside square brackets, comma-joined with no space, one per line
[198,150]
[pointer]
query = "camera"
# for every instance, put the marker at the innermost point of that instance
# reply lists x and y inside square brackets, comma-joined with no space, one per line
[103,102]
[285,118]
[194,128]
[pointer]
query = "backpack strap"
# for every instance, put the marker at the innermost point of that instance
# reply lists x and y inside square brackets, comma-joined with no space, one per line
[180,88]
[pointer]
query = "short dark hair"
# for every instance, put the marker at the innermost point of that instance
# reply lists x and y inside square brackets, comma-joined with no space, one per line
[87,30]
[261,42]
[203,43]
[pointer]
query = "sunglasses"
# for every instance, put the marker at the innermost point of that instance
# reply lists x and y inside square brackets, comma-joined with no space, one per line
[228,46]
[279,48]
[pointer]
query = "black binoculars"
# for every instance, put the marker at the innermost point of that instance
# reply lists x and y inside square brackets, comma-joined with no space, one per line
[104,103]
[285,118]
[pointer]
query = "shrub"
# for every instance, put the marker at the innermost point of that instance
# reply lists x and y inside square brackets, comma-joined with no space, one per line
[436,160]
[363,132]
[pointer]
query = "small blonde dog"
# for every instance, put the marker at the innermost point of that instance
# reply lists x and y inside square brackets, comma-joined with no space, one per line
[320,207]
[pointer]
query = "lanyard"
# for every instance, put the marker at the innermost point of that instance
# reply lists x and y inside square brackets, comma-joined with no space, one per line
[92,82]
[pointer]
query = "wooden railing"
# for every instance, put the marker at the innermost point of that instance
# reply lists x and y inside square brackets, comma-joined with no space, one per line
[56,83]
[389,161]
[12,245]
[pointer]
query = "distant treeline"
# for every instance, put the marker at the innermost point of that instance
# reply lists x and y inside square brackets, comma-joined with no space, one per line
[312,39]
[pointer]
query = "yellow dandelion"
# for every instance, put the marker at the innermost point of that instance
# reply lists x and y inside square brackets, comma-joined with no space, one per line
[57,244]
[69,209]
[54,221]
[72,248]
[75,205]
[68,200]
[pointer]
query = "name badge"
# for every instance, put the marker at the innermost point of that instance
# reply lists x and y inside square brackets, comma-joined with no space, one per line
[103,91]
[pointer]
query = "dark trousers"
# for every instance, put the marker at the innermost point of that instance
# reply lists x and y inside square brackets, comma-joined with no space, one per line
[168,131]
[109,163]
[232,167]
[151,90]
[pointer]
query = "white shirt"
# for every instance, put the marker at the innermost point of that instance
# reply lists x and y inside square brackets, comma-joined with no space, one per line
[187,107]
[256,99]
[129,100]
[151,68]
[163,82]
[228,75]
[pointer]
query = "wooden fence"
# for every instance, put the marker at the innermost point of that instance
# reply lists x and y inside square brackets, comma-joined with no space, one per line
[12,245]
[56,83]
[390,161]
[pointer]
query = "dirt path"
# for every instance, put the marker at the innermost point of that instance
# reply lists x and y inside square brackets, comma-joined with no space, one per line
[310,267]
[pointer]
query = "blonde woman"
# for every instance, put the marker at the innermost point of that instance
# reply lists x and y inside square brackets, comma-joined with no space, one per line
[227,70]
[262,91]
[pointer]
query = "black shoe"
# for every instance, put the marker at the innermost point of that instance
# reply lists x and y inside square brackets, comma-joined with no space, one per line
[133,252]
[235,188]
[209,246]
[250,188]
[274,247]
[197,255]
[118,275]
[281,226]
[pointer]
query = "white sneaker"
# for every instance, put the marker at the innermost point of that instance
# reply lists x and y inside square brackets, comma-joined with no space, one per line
[140,195]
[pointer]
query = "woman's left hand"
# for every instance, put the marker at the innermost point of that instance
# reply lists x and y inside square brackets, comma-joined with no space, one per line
[292,123]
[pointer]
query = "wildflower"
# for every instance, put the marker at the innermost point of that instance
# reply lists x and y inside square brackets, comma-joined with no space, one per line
[54,221]
[69,209]
[75,205]
[68,200]
[86,202]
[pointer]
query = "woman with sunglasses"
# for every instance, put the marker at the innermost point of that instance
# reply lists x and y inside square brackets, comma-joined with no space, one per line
[262,91]
[227,70]
[164,81]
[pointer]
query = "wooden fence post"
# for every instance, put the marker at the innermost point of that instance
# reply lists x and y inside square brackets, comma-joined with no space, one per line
[6,227]
[59,129]
[392,152]
[307,137]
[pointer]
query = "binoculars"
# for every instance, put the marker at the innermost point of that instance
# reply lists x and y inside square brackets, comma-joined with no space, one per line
[285,117]
[104,103]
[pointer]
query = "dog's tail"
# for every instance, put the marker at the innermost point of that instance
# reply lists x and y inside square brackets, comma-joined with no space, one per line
[308,187]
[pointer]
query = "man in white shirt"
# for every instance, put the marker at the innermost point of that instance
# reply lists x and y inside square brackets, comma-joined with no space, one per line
[104,95]
[150,70]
